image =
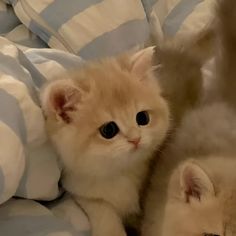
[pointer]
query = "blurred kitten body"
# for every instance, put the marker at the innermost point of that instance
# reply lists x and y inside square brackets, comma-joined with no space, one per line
[193,189]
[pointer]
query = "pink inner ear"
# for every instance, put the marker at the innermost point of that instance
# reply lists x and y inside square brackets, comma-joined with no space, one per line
[60,104]
[59,101]
[196,183]
[192,190]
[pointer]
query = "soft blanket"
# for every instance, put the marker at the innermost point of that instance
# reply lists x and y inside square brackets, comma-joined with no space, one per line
[28,164]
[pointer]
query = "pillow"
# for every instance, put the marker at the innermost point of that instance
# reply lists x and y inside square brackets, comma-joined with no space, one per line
[28,163]
[24,38]
[25,217]
[69,211]
[7,16]
[179,18]
[90,29]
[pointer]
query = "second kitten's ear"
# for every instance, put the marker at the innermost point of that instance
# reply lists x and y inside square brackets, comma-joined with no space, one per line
[60,98]
[195,183]
[141,61]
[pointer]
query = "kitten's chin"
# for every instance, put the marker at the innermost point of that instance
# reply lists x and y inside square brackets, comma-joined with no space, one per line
[140,153]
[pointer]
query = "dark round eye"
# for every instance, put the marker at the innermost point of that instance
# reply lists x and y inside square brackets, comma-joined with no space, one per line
[142,118]
[109,130]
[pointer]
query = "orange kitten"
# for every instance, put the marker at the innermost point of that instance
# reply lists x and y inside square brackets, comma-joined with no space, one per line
[105,121]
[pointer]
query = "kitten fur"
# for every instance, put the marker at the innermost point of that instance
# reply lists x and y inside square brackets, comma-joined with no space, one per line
[193,189]
[173,56]
[105,176]
[172,61]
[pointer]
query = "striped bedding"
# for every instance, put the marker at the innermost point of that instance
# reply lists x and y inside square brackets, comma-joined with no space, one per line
[75,30]
[28,164]
[96,28]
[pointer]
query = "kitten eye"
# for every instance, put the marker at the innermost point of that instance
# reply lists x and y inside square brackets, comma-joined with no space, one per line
[109,130]
[142,118]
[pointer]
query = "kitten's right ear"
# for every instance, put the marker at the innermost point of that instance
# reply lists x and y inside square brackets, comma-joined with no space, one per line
[142,61]
[60,98]
[195,183]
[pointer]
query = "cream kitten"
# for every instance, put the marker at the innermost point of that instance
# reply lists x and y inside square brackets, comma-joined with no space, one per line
[193,190]
[105,121]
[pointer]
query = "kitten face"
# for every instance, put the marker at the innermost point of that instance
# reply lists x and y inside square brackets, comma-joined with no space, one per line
[115,115]
[197,207]
[195,219]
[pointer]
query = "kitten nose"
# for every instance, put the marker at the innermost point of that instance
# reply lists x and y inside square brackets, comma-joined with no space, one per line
[135,141]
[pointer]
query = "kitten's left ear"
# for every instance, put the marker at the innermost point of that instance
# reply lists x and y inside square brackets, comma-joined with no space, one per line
[195,183]
[60,98]
[141,61]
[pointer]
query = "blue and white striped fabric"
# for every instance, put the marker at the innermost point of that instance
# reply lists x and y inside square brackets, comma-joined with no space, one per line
[7,18]
[91,28]
[14,30]
[25,153]
[26,217]
[28,164]
[24,38]
[97,28]
[180,18]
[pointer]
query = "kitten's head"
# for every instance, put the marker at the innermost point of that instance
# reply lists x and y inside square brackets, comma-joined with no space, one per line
[202,200]
[108,114]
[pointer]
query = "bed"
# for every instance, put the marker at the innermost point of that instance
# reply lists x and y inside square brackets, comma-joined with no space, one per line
[39,40]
